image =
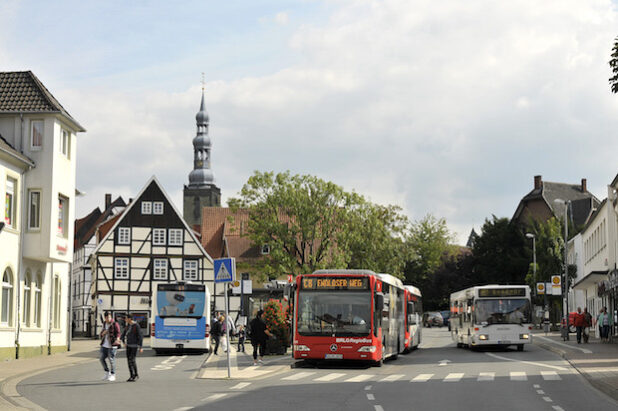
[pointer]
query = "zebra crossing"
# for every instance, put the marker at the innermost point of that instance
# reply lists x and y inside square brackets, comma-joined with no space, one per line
[315,376]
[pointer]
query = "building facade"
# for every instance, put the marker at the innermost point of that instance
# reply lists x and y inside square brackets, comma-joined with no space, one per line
[37,178]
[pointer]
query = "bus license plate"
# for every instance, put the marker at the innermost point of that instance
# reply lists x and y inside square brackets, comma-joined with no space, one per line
[504,342]
[333,356]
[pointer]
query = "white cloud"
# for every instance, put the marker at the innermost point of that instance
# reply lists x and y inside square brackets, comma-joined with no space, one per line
[282,18]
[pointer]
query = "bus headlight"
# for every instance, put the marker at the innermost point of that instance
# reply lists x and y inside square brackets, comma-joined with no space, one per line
[299,347]
[367,348]
[524,336]
[483,337]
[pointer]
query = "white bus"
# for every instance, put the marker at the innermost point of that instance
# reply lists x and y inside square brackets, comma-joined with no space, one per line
[413,318]
[181,313]
[497,315]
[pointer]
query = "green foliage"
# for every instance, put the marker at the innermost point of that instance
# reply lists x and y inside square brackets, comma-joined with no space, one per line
[613,64]
[454,274]
[274,318]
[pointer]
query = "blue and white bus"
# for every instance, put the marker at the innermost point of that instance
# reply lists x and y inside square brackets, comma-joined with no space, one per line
[181,313]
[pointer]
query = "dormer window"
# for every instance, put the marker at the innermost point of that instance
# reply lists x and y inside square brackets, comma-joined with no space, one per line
[36,135]
[157,207]
[146,207]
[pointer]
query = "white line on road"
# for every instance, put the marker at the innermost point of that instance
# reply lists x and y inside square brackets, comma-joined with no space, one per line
[370,397]
[547,399]
[453,377]
[298,376]
[486,376]
[183,409]
[360,378]
[422,378]
[393,377]
[367,388]
[550,375]
[240,386]
[378,408]
[558,408]
[214,397]
[584,350]
[555,367]
[330,377]
[540,392]
[518,376]
[536,386]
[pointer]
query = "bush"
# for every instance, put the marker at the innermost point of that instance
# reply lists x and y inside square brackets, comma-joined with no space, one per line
[276,323]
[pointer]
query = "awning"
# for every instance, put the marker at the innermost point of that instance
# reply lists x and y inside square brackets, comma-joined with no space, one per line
[591,279]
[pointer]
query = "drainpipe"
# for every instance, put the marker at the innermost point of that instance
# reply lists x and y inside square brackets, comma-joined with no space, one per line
[49,307]
[22,227]
[70,309]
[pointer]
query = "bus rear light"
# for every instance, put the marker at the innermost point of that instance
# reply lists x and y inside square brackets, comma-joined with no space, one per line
[206,334]
[483,337]
[300,347]
[152,330]
[367,348]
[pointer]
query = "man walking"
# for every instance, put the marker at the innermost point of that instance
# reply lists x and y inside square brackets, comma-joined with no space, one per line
[110,341]
[215,334]
[259,335]
[132,337]
[579,324]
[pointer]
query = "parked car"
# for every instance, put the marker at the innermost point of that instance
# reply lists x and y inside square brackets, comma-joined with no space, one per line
[433,318]
[446,317]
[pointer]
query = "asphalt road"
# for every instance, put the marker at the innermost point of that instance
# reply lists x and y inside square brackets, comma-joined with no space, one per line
[438,376]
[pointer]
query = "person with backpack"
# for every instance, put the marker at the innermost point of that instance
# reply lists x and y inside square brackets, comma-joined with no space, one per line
[132,337]
[110,342]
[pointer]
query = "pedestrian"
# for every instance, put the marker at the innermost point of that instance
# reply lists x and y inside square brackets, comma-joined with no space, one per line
[132,337]
[604,320]
[587,324]
[241,338]
[110,341]
[259,334]
[226,324]
[215,334]
[578,322]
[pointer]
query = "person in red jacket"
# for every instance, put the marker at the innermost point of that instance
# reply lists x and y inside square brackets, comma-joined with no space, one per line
[579,324]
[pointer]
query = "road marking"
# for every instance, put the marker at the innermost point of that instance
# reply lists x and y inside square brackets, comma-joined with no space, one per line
[215,397]
[584,350]
[367,388]
[360,378]
[486,376]
[555,367]
[547,399]
[378,408]
[183,408]
[371,397]
[540,392]
[330,377]
[298,376]
[536,386]
[453,377]
[422,378]
[240,386]
[169,363]
[550,375]
[393,377]
[558,408]
[518,376]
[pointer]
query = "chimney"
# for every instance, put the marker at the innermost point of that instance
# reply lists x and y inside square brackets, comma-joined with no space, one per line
[538,182]
[108,200]
[584,186]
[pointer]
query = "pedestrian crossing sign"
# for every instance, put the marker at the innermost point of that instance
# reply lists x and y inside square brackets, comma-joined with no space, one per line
[225,270]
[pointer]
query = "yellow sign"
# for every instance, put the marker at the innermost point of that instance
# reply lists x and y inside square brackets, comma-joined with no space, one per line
[236,283]
[540,288]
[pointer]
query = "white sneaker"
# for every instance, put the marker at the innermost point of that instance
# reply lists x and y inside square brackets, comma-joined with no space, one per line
[260,362]
[106,376]
[112,377]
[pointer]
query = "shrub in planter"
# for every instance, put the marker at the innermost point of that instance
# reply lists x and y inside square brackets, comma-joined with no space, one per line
[275,323]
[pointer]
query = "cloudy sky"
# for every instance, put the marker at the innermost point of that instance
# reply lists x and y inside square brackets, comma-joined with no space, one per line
[447,107]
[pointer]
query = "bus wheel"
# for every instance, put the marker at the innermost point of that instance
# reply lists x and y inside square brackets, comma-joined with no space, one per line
[520,347]
[459,345]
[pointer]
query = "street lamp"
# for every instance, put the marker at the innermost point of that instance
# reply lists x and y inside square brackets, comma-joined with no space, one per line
[530,235]
[565,301]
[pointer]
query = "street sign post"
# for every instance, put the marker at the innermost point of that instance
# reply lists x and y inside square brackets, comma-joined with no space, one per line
[225,271]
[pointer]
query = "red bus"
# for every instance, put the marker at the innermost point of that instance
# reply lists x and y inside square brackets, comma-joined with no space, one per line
[414,318]
[348,315]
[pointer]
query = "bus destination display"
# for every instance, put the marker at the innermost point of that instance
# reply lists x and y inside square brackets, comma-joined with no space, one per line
[502,292]
[331,283]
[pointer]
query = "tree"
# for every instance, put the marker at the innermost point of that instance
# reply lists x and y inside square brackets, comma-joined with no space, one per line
[454,274]
[613,63]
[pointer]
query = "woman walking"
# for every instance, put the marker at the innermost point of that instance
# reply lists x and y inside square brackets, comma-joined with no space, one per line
[132,337]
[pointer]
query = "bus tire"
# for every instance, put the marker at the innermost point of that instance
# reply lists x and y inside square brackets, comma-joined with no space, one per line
[520,347]
[459,345]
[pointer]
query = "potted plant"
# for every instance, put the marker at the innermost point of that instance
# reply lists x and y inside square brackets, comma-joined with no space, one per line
[276,323]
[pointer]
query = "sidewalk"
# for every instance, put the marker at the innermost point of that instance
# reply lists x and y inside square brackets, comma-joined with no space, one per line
[241,365]
[13,371]
[595,361]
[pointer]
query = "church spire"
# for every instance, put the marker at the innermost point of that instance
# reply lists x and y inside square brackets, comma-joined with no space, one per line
[201,175]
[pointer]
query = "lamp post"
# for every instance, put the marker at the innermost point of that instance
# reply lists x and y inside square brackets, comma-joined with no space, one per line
[530,235]
[565,301]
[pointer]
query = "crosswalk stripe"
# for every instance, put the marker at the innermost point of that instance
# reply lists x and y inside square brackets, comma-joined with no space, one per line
[240,386]
[298,376]
[330,377]
[453,377]
[360,378]
[422,378]
[393,377]
[550,375]
[486,376]
[518,376]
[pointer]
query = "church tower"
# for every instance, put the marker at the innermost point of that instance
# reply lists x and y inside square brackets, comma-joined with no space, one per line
[201,191]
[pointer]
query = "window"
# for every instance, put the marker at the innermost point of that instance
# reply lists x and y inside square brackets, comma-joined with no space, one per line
[265,249]
[63,212]
[175,236]
[10,203]
[158,236]
[56,302]
[36,135]
[65,143]
[37,301]
[6,303]
[146,207]
[124,235]
[34,207]
[159,269]
[157,207]
[27,299]
[189,271]
[121,268]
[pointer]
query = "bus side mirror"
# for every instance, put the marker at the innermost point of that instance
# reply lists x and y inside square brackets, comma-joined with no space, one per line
[379,301]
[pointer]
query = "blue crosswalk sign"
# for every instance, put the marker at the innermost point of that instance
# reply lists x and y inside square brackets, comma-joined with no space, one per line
[225,270]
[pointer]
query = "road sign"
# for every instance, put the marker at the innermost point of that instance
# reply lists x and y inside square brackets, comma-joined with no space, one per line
[225,270]
[556,285]
[540,288]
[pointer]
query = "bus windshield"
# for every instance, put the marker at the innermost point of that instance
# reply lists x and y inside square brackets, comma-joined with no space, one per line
[342,313]
[503,311]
